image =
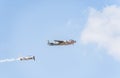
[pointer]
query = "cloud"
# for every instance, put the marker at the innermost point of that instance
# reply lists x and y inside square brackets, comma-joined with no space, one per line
[103,28]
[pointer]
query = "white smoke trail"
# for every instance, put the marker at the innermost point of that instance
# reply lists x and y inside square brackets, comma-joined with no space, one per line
[8,60]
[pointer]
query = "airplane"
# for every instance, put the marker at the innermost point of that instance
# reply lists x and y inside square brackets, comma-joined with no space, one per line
[61,42]
[27,58]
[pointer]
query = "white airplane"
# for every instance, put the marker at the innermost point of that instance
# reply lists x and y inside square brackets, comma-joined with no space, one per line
[27,58]
[61,42]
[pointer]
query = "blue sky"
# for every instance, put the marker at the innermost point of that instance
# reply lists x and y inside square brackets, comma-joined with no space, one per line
[26,25]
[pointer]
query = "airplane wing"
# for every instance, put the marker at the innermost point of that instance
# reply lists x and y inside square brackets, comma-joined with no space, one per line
[60,41]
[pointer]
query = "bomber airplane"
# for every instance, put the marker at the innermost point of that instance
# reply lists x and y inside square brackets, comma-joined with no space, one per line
[27,58]
[61,42]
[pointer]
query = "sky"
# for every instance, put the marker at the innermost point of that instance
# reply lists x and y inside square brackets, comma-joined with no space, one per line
[27,25]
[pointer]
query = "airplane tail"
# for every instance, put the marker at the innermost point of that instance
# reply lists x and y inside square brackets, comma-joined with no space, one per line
[34,58]
[48,42]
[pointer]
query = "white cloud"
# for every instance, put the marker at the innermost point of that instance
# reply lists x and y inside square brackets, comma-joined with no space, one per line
[103,28]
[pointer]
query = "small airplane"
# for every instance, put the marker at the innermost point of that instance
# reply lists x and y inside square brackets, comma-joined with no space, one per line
[27,58]
[61,42]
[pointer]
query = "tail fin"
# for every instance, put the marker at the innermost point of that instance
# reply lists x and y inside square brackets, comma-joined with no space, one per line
[34,58]
[48,42]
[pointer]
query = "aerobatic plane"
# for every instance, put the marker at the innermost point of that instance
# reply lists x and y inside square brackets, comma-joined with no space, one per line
[61,42]
[27,58]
